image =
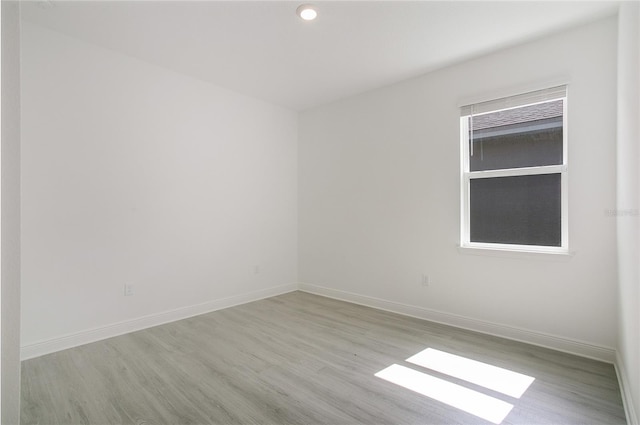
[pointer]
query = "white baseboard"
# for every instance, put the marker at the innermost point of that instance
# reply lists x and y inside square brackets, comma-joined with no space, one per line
[625,390]
[571,346]
[558,343]
[92,335]
[518,334]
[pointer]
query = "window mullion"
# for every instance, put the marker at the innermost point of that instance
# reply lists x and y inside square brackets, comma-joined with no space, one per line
[528,171]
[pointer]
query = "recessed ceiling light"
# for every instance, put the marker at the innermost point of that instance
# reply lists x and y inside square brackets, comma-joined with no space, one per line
[307,12]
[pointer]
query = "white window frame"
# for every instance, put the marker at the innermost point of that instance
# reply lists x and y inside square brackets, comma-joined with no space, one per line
[513,102]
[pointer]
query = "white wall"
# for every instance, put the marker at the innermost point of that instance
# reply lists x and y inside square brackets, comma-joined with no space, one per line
[379,193]
[10,214]
[135,174]
[628,197]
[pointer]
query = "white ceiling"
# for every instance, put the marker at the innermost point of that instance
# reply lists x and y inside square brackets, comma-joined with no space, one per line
[264,50]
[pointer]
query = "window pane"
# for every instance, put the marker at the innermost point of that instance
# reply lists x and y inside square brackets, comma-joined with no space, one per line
[521,210]
[522,137]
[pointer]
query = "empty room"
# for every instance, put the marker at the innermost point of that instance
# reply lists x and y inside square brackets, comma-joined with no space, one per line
[325,212]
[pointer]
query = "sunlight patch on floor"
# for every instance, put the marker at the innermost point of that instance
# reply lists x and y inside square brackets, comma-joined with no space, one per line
[507,382]
[491,377]
[470,401]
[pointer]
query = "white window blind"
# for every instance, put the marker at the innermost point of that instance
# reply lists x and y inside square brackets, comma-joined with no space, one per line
[514,101]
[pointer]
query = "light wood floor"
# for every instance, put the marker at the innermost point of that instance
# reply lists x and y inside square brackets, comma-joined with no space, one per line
[298,359]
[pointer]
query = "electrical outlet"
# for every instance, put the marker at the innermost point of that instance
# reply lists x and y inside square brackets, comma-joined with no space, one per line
[128,289]
[426,280]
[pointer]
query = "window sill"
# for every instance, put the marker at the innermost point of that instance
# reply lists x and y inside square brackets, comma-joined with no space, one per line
[531,254]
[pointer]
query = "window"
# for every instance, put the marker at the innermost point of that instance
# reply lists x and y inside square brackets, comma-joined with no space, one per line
[514,173]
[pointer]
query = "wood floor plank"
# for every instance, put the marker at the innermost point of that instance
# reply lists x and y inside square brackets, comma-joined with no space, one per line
[299,359]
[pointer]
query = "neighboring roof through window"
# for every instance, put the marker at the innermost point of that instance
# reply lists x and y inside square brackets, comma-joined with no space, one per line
[539,111]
